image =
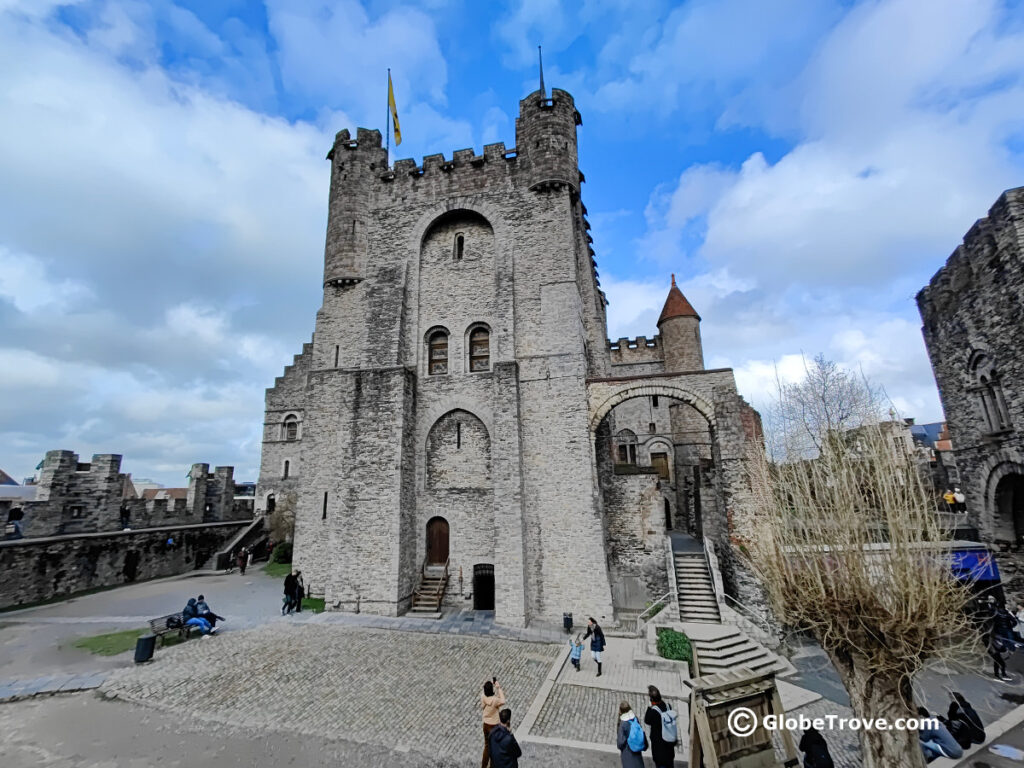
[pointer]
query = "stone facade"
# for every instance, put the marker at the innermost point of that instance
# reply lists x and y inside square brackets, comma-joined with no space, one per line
[76,497]
[448,407]
[973,313]
[55,566]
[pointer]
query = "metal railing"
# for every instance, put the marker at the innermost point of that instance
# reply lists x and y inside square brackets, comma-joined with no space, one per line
[747,613]
[653,610]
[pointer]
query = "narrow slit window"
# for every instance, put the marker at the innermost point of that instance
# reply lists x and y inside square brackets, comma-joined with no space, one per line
[337,351]
[324,515]
[480,350]
[287,467]
[654,401]
[460,247]
[458,435]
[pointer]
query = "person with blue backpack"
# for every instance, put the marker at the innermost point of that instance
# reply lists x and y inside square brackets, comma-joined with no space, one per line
[632,741]
[664,729]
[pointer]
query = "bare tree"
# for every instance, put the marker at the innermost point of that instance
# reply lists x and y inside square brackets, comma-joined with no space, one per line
[848,547]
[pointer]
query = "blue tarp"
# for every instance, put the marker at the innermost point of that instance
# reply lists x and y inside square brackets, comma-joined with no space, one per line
[975,564]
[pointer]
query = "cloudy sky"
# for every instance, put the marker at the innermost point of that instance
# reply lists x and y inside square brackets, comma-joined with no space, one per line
[803,166]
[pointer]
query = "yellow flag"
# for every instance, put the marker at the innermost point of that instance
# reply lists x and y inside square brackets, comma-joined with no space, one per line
[394,111]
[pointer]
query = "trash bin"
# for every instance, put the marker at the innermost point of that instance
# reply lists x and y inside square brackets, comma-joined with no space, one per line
[144,647]
[567,621]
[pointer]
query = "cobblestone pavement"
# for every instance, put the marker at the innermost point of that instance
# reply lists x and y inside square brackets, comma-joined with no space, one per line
[84,731]
[582,713]
[403,689]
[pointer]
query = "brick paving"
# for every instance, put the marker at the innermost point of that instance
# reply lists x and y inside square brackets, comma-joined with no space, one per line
[401,689]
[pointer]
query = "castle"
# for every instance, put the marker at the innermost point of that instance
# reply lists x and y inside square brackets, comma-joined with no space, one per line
[460,431]
[971,311]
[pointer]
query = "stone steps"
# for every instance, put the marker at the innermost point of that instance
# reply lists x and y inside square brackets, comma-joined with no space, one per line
[696,589]
[732,648]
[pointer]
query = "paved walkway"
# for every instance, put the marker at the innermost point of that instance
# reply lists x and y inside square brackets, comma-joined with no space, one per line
[410,690]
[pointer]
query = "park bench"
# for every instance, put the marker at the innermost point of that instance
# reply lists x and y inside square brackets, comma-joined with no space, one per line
[158,627]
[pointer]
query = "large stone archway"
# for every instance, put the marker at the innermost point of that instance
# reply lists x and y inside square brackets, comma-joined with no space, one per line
[731,429]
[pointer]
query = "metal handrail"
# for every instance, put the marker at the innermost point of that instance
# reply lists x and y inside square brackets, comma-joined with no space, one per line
[641,621]
[748,613]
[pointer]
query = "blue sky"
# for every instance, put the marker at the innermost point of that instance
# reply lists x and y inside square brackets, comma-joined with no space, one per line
[803,167]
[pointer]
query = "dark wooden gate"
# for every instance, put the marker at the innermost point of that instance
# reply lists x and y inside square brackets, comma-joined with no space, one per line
[483,587]
[437,541]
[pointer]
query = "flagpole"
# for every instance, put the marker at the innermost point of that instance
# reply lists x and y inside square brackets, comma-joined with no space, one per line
[387,150]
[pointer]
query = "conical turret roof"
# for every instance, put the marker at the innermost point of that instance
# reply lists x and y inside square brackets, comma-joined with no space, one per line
[676,305]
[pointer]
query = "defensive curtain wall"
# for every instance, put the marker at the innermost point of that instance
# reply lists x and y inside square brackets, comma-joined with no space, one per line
[53,566]
[712,393]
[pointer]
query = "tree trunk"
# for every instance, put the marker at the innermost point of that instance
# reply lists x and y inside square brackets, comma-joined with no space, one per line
[880,695]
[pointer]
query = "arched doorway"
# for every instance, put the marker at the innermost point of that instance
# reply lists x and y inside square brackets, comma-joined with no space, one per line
[437,541]
[483,587]
[1010,506]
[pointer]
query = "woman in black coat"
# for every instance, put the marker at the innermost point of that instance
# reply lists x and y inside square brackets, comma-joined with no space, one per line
[815,750]
[663,752]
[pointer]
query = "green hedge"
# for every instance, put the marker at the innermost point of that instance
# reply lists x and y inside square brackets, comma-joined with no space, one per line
[282,553]
[674,645]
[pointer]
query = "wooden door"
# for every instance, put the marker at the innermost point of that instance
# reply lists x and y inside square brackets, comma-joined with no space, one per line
[437,541]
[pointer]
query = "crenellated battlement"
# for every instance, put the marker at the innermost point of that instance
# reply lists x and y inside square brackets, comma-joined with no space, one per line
[639,350]
[989,247]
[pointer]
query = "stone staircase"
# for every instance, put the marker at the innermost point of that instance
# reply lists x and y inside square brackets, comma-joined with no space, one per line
[696,590]
[723,647]
[428,596]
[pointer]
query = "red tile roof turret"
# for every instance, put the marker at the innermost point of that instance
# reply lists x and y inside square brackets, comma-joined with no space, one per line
[676,305]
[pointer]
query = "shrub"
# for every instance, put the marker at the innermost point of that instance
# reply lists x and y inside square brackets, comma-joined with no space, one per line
[282,553]
[674,645]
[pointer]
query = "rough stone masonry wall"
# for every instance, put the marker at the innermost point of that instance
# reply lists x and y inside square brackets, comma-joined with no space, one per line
[39,569]
[973,305]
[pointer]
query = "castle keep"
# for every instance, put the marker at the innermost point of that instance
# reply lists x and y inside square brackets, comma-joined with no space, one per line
[461,427]
[972,327]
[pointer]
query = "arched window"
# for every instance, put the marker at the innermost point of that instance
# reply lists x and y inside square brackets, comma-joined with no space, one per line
[438,361]
[460,247]
[287,469]
[480,350]
[989,391]
[625,442]
[291,428]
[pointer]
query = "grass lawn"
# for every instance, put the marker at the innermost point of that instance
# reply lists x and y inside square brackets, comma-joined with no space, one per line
[110,644]
[277,570]
[313,604]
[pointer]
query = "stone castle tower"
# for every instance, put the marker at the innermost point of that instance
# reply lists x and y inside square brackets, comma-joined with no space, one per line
[441,417]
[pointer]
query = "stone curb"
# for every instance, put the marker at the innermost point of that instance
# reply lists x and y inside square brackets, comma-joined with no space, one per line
[16,690]
[992,732]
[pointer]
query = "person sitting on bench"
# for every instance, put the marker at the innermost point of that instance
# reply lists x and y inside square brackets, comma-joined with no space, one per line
[190,616]
[204,612]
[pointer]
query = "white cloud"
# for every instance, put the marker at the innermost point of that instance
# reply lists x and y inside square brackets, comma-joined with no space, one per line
[27,284]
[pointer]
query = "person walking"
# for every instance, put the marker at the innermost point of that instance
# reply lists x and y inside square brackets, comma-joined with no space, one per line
[597,642]
[630,738]
[505,750]
[242,560]
[491,700]
[997,652]
[815,749]
[575,652]
[290,586]
[300,591]
[664,730]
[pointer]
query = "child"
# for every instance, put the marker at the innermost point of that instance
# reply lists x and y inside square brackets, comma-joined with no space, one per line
[576,650]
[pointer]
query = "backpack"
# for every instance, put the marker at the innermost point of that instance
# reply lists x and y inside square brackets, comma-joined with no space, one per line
[669,731]
[174,622]
[637,740]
